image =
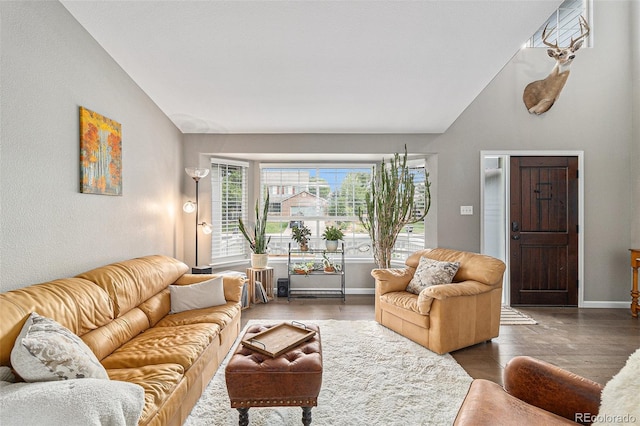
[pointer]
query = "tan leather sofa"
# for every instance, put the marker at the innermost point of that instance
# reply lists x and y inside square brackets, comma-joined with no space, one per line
[535,393]
[121,311]
[443,317]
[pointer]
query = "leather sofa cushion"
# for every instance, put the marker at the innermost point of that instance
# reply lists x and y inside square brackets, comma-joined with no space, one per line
[402,299]
[403,305]
[220,315]
[106,339]
[122,281]
[161,345]
[77,304]
[158,381]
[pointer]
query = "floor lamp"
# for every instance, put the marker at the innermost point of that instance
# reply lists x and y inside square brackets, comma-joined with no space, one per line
[189,207]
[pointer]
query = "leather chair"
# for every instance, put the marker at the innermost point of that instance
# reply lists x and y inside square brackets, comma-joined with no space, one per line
[535,393]
[443,317]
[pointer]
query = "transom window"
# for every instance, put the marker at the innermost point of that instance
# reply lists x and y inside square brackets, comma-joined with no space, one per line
[565,21]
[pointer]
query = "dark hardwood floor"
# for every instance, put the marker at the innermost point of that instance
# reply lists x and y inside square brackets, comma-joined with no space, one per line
[594,343]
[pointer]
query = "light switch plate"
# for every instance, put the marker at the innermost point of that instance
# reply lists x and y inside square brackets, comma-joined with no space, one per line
[466,210]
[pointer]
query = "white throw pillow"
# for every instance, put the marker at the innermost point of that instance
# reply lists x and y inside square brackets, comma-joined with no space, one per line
[620,399]
[45,351]
[432,272]
[197,296]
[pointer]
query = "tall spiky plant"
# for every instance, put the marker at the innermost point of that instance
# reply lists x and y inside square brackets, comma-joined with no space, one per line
[257,238]
[390,205]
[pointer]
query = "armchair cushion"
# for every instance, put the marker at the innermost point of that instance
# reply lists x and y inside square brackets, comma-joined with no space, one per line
[432,272]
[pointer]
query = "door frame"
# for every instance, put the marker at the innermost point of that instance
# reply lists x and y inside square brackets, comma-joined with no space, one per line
[506,203]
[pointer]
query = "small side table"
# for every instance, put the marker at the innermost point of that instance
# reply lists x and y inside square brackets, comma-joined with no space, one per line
[263,275]
[635,264]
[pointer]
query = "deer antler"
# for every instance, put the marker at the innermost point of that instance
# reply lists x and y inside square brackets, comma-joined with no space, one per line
[545,35]
[583,26]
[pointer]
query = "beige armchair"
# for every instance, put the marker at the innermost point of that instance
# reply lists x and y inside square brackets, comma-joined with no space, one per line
[443,317]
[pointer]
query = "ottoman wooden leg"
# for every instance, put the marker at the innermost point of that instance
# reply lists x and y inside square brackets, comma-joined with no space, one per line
[243,416]
[306,416]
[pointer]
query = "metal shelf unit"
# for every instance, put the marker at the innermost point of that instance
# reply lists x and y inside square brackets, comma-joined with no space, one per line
[299,256]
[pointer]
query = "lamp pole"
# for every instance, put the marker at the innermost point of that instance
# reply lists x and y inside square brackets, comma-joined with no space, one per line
[196,173]
[197,179]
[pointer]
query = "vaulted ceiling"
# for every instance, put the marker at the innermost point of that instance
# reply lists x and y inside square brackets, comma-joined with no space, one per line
[312,66]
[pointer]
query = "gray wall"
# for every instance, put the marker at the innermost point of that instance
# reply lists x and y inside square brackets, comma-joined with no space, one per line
[594,115]
[50,67]
[634,18]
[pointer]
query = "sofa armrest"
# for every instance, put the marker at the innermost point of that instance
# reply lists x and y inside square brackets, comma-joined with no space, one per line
[464,288]
[551,388]
[233,288]
[393,279]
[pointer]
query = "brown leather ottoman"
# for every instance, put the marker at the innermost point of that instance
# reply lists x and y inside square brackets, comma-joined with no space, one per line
[291,379]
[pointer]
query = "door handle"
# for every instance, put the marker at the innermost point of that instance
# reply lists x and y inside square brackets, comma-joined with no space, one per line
[515,227]
[515,237]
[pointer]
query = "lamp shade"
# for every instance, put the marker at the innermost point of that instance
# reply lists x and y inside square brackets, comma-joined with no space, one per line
[207,228]
[196,172]
[189,207]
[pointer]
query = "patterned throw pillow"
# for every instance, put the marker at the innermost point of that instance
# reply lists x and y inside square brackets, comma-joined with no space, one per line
[432,272]
[46,351]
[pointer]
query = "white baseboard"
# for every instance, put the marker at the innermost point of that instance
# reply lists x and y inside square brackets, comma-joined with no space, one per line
[371,291]
[605,304]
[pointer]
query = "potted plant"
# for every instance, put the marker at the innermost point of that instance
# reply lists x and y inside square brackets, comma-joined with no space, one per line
[256,236]
[302,268]
[331,235]
[392,203]
[300,234]
[329,266]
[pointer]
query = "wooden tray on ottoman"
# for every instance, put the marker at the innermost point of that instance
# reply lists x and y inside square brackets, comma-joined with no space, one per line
[278,339]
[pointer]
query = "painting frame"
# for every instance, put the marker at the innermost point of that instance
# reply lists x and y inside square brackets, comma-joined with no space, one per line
[100,154]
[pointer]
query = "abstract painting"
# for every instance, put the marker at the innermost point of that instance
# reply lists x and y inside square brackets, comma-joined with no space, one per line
[100,154]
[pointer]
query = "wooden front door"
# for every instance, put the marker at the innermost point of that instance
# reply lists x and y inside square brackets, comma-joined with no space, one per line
[544,231]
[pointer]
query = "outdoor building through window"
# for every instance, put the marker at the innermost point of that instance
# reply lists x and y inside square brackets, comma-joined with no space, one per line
[312,195]
[318,196]
[565,24]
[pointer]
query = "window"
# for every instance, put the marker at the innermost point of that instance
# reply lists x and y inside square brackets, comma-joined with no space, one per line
[321,195]
[565,24]
[228,203]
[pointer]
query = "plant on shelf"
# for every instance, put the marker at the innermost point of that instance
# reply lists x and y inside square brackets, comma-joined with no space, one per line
[300,234]
[328,265]
[302,268]
[331,235]
[393,202]
[256,235]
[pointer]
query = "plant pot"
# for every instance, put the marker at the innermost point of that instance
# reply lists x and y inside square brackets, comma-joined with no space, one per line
[330,270]
[331,245]
[259,261]
[304,247]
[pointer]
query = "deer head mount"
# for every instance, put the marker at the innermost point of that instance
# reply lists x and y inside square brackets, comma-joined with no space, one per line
[540,95]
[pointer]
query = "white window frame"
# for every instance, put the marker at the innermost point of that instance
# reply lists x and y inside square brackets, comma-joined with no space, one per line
[227,244]
[356,247]
[565,24]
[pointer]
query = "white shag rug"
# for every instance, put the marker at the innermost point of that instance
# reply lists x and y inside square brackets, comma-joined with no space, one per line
[371,376]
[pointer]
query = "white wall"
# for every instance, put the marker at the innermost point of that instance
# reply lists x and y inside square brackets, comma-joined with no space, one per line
[594,115]
[50,67]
